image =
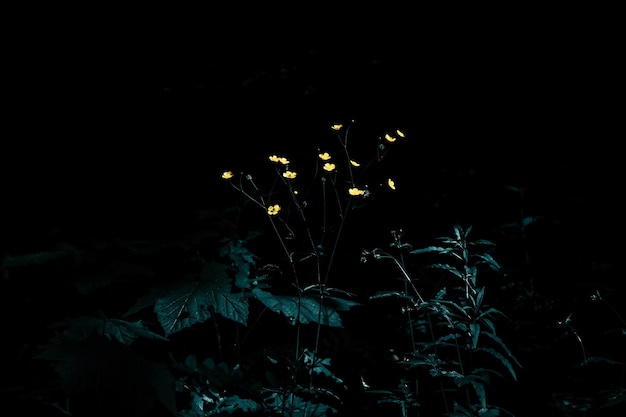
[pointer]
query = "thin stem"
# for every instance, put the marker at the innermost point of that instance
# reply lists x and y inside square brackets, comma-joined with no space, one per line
[405,274]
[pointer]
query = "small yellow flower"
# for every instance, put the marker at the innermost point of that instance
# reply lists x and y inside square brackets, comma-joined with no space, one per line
[289,174]
[329,167]
[389,138]
[400,133]
[391,183]
[336,127]
[227,175]
[355,163]
[324,156]
[273,210]
[281,159]
[356,191]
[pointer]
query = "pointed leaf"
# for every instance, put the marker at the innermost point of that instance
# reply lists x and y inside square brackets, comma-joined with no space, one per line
[186,305]
[221,298]
[428,250]
[502,359]
[304,309]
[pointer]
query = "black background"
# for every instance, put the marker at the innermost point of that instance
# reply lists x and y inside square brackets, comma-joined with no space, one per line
[112,113]
[119,126]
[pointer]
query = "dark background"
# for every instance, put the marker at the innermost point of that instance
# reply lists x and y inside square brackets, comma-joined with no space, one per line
[120,118]
[122,121]
[114,116]
[119,128]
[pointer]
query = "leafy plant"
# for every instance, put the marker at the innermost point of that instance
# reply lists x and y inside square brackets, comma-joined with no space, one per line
[253,312]
[453,332]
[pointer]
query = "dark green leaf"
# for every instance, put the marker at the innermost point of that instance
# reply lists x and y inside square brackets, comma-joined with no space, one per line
[303,309]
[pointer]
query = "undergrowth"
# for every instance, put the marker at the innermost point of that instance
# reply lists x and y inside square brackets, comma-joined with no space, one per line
[252,314]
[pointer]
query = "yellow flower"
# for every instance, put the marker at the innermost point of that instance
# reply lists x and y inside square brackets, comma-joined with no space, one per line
[355,163]
[356,191]
[324,156]
[281,159]
[227,175]
[329,167]
[273,210]
[289,174]
[400,133]
[389,138]
[336,127]
[391,183]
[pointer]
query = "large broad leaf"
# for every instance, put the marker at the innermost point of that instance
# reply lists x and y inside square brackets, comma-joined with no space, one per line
[303,309]
[191,302]
[219,289]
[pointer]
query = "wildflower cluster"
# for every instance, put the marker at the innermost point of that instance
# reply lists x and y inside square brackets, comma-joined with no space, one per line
[328,164]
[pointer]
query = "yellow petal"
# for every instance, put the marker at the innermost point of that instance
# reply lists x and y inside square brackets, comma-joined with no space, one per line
[329,167]
[289,174]
[324,156]
[356,191]
[336,127]
[227,175]
[389,138]
[281,159]
[355,163]
[400,133]
[273,210]
[391,184]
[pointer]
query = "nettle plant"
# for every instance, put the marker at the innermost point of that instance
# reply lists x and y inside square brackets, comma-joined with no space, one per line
[451,332]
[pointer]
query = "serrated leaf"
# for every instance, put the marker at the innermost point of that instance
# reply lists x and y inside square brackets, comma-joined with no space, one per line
[480,392]
[187,302]
[502,359]
[191,303]
[187,305]
[223,301]
[488,259]
[428,250]
[304,309]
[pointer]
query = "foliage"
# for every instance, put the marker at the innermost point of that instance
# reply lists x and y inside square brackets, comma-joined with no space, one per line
[251,314]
